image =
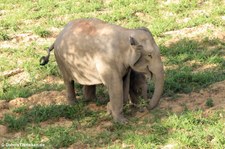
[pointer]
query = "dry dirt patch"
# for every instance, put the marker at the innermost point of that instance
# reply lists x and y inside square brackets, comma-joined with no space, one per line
[63,122]
[194,101]
[195,33]
[190,101]
[26,39]
[43,98]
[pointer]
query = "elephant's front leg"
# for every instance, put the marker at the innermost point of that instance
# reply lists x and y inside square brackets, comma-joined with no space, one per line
[115,106]
[126,87]
[89,92]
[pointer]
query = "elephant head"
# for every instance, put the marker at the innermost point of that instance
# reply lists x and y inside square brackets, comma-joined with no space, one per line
[146,59]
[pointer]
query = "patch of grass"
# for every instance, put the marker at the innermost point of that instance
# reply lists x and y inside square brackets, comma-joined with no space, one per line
[209,102]
[50,70]
[4,36]
[146,140]
[22,109]
[189,122]
[182,78]
[102,95]
[162,25]
[61,137]
[183,6]
[186,50]
[42,113]
[9,91]
[185,81]
[42,32]
[15,124]
[9,24]
[183,130]
[49,137]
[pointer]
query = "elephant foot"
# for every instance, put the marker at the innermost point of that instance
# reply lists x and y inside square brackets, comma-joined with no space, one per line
[90,99]
[138,108]
[118,118]
[109,108]
[72,101]
[141,109]
[150,107]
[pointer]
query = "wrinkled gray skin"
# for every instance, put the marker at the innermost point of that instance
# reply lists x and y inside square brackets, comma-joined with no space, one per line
[90,52]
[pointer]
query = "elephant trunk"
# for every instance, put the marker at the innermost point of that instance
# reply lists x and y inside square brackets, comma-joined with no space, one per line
[159,83]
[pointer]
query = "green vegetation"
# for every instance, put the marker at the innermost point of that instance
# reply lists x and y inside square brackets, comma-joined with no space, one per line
[40,113]
[4,36]
[42,32]
[193,60]
[209,102]
[185,130]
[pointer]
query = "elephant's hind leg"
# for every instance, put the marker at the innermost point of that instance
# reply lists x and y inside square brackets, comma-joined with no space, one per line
[71,96]
[89,92]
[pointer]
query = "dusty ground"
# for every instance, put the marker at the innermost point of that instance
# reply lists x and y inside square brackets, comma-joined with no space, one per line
[194,101]
[190,101]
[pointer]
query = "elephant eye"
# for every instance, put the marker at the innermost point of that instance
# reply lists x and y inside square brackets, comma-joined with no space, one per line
[150,56]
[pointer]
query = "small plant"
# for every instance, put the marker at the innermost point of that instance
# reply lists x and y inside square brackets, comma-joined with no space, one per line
[209,102]
[4,36]
[42,32]
[60,137]
[15,124]
[22,109]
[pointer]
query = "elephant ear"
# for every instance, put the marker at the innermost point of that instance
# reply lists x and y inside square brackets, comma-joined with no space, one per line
[133,41]
[135,51]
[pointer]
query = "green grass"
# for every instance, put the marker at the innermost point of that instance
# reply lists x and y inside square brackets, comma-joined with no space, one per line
[189,129]
[184,60]
[209,102]
[42,32]
[9,91]
[4,36]
[40,113]
[184,76]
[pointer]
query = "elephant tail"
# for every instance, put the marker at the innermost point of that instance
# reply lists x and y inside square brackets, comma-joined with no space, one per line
[45,59]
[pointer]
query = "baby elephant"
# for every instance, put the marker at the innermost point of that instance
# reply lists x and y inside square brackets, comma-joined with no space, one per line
[136,88]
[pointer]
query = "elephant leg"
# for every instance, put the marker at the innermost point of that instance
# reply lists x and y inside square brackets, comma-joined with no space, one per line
[115,106]
[144,91]
[89,92]
[69,83]
[71,96]
[133,97]
[126,87]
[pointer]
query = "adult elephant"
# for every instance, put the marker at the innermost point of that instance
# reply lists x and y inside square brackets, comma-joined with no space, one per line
[91,51]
